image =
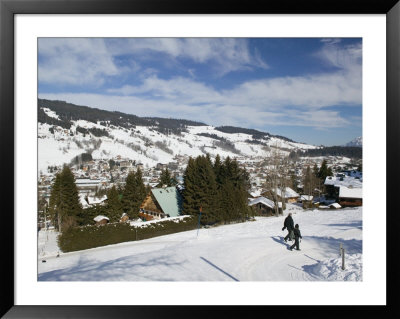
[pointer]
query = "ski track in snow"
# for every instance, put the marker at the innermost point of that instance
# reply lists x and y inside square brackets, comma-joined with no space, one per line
[251,251]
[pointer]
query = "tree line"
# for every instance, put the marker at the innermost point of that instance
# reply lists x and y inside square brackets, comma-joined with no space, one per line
[68,112]
[347,151]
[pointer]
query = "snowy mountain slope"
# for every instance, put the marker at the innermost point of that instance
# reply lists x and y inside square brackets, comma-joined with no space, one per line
[146,144]
[357,142]
[251,251]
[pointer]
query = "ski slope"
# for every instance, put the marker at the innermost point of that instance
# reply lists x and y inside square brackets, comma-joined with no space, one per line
[251,251]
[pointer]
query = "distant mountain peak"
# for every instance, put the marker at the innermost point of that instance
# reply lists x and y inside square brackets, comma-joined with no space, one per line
[357,142]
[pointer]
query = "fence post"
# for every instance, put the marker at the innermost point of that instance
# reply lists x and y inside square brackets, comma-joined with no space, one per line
[340,249]
[343,266]
[136,233]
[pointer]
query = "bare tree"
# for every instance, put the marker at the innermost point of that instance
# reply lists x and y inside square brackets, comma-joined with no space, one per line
[277,171]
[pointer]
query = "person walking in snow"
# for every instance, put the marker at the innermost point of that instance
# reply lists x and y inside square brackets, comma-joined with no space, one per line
[289,224]
[297,236]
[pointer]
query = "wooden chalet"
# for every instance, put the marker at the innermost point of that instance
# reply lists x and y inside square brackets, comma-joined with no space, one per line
[101,220]
[350,197]
[262,206]
[289,194]
[161,203]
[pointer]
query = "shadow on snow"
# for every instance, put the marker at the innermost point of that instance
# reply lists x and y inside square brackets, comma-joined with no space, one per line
[117,269]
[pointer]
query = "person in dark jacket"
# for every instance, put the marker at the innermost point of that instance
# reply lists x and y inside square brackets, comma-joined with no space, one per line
[289,224]
[297,235]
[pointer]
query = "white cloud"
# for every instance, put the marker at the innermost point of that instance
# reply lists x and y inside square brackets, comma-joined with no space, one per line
[296,100]
[75,61]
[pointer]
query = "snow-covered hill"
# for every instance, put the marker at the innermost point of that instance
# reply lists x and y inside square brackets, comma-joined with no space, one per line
[250,251]
[146,144]
[357,142]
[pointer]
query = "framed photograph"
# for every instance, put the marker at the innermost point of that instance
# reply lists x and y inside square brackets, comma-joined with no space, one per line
[152,93]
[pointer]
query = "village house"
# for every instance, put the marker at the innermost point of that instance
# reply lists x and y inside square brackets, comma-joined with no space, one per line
[306,200]
[333,184]
[86,185]
[350,197]
[124,218]
[262,206]
[161,203]
[92,200]
[101,220]
[289,195]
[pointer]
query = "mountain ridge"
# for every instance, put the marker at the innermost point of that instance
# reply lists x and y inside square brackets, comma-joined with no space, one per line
[66,130]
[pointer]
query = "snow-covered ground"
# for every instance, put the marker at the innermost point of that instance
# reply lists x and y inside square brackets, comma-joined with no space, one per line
[251,251]
[60,147]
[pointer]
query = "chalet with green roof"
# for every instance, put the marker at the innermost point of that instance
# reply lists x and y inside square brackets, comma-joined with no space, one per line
[161,203]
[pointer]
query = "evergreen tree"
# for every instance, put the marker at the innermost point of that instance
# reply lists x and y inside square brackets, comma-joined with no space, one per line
[134,193]
[206,189]
[71,205]
[191,204]
[200,189]
[219,188]
[65,208]
[324,171]
[141,189]
[217,169]
[165,179]
[55,202]
[114,205]
[236,184]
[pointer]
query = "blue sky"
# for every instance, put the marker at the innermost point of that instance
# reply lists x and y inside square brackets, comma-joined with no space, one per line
[307,89]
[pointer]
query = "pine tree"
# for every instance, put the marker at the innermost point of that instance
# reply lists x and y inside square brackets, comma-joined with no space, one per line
[206,189]
[324,171]
[114,205]
[65,207]
[190,201]
[70,199]
[134,193]
[165,179]
[200,189]
[217,169]
[141,189]
[129,195]
[55,202]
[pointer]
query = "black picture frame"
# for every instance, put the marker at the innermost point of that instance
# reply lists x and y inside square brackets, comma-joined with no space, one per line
[9,8]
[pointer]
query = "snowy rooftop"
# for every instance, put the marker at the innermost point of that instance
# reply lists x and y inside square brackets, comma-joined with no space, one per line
[267,202]
[306,197]
[343,181]
[346,192]
[100,217]
[289,193]
[96,200]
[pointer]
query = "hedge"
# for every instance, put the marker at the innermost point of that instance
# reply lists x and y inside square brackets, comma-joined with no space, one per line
[85,237]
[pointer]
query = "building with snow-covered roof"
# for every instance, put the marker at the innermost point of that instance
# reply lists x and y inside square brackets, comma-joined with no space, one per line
[101,220]
[289,195]
[93,200]
[350,197]
[262,206]
[334,183]
[87,185]
[335,206]
[161,203]
[307,198]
